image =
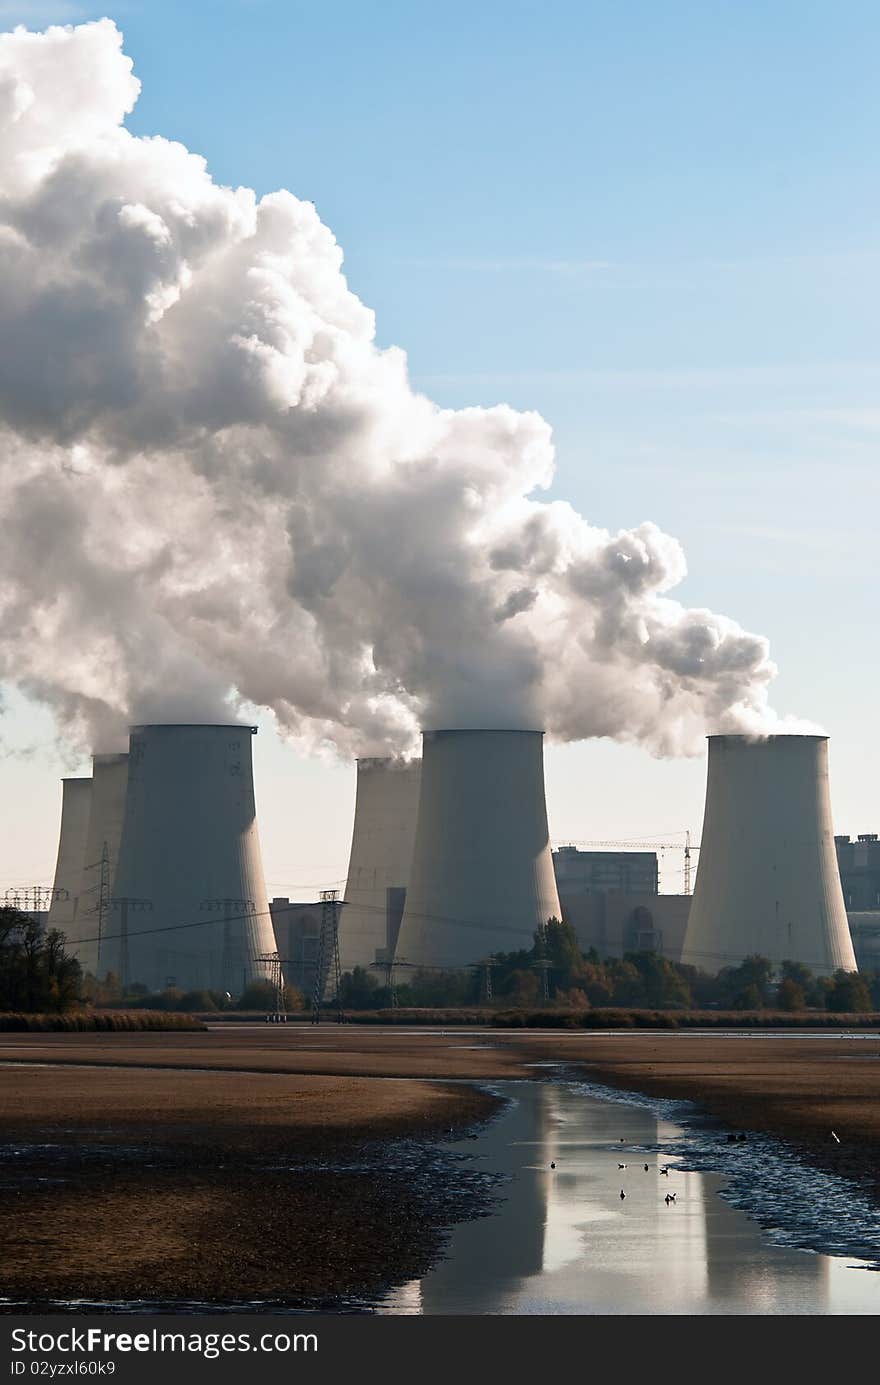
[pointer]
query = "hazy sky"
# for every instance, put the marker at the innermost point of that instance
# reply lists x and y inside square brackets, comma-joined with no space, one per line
[657,225]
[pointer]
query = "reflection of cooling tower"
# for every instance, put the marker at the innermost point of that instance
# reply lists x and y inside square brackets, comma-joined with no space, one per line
[768,881]
[106,809]
[381,855]
[189,900]
[482,875]
[76,796]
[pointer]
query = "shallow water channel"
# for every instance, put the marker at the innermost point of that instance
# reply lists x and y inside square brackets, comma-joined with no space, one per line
[563,1240]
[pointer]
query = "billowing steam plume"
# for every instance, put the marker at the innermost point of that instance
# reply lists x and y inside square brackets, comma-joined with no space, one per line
[216,486]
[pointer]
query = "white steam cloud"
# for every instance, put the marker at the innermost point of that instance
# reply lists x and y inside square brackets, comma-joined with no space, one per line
[216,487]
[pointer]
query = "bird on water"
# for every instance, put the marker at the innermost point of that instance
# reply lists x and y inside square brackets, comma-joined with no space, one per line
[622,1195]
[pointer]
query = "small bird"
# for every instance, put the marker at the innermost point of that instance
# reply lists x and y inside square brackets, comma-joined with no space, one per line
[621,1166]
[622,1195]
[666,1171]
[670,1197]
[646,1168]
[835,1136]
[621,1139]
[552,1165]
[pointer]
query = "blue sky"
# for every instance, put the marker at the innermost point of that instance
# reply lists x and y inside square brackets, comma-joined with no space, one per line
[656,224]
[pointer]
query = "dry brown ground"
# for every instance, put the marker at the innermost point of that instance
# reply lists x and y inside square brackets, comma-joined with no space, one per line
[789,1083]
[206,1206]
[158,1183]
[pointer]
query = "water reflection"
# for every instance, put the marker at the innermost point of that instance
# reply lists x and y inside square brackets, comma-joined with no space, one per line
[564,1241]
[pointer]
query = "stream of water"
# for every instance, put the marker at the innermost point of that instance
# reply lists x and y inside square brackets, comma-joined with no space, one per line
[563,1240]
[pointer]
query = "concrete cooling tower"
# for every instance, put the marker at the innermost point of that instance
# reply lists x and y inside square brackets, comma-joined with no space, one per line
[768,880]
[482,875]
[76,796]
[189,900]
[381,854]
[98,866]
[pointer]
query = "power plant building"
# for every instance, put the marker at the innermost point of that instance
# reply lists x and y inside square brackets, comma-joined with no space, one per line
[611,900]
[189,906]
[768,880]
[76,797]
[859,864]
[482,875]
[605,872]
[382,842]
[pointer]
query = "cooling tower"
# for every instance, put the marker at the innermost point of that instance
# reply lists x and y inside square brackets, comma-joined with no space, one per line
[381,854]
[768,880]
[76,795]
[189,901]
[106,808]
[482,875]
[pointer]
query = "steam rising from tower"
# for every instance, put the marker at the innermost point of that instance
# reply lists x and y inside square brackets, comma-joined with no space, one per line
[768,880]
[482,874]
[339,548]
[189,900]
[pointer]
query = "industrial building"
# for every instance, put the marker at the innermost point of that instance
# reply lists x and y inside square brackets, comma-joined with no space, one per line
[864,927]
[615,924]
[768,880]
[482,877]
[189,906]
[386,808]
[604,872]
[611,900]
[859,864]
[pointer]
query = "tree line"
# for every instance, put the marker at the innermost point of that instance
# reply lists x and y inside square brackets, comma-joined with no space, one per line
[583,980]
[38,976]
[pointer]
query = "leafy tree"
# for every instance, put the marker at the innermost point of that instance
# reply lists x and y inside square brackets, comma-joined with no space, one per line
[748,986]
[595,983]
[520,987]
[258,994]
[573,999]
[557,942]
[359,990]
[36,974]
[748,997]
[294,1000]
[800,974]
[627,987]
[790,995]
[848,993]
[662,985]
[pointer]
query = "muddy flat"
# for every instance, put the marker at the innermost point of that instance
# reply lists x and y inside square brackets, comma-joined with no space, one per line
[272,1164]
